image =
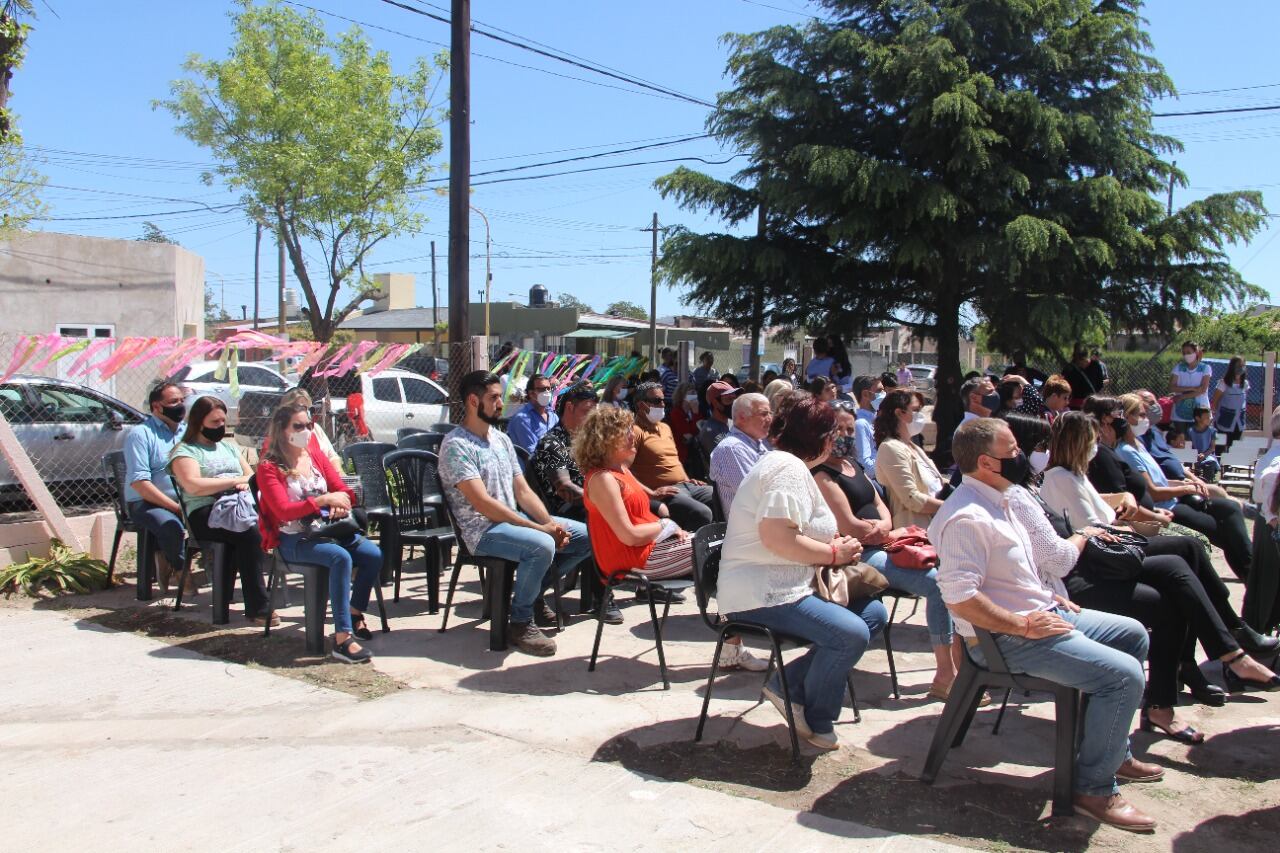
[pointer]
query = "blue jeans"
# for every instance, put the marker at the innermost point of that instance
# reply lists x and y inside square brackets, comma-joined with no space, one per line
[839,635]
[165,527]
[345,592]
[535,553]
[924,584]
[1103,658]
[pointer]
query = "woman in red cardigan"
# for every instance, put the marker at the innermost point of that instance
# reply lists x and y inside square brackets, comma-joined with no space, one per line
[297,484]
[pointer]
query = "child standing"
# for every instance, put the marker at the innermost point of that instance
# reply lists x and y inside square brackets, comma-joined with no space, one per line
[1203,436]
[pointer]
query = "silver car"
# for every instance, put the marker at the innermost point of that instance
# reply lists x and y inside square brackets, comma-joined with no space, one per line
[198,378]
[66,429]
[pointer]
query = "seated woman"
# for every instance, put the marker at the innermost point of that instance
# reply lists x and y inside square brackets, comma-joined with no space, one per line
[1221,520]
[206,467]
[1178,588]
[906,472]
[616,390]
[625,533]
[684,418]
[300,397]
[861,513]
[297,482]
[779,532]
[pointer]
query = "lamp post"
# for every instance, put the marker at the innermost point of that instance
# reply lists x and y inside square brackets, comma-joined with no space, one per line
[488,275]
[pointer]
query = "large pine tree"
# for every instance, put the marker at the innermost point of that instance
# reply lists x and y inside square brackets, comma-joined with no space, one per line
[922,160]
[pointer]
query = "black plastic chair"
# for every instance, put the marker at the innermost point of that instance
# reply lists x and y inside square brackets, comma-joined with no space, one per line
[962,703]
[413,482]
[222,579]
[421,440]
[366,458]
[114,466]
[707,543]
[315,594]
[719,513]
[897,595]
[405,432]
[443,429]
[526,460]
[648,586]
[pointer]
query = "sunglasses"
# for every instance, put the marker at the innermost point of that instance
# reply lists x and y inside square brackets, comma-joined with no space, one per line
[651,401]
[301,427]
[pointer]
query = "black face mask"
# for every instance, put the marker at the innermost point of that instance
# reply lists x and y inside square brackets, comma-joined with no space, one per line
[1015,469]
[174,413]
[214,434]
[991,402]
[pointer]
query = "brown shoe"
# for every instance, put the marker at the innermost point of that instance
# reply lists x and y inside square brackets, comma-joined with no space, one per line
[1113,810]
[527,638]
[1134,770]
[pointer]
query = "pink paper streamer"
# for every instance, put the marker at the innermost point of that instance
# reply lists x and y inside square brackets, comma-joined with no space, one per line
[81,364]
[22,351]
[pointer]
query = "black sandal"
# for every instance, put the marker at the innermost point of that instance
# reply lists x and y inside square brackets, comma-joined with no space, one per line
[343,652]
[360,627]
[1186,734]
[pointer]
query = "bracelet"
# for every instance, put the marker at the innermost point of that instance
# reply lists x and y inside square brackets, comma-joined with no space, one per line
[833,553]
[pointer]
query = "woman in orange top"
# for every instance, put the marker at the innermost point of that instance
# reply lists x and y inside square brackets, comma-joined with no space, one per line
[625,534]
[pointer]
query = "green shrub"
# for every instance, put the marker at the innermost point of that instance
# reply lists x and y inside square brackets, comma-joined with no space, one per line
[62,571]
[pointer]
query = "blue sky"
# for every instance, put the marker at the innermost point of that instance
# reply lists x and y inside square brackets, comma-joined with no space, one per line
[84,98]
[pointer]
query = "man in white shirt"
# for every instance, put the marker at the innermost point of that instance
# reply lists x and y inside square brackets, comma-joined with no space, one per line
[989,580]
[979,398]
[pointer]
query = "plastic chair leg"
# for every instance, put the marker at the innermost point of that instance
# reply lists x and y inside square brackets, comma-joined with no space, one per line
[223,584]
[595,648]
[853,697]
[944,736]
[316,607]
[435,567]
[382,608]
[995,730]
[448,601]
[888,648]
[657,637]
[183,574]
[498,594]
[1068,705]
[146,566]
[711,680]
[115,549]
[786,696]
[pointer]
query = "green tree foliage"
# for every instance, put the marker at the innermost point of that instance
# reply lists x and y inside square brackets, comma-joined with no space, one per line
[213,311]
[568,300]
[20,183]
[622,308]
[1236,333]
[13,47]
[322,139]
[917,159]
[151,233]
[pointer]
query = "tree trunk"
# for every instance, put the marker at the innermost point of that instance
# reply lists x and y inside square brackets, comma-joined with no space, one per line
[946,383]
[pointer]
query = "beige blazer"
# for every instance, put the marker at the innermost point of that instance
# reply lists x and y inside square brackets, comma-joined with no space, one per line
[900,469]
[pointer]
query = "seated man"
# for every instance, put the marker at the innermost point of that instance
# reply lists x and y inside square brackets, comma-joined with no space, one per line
[534,419]
[715,426]
[153,506]
[552,462]
[658,467]
[988,581]
[1057,396]
[979,398]
[481,475]
[738,452]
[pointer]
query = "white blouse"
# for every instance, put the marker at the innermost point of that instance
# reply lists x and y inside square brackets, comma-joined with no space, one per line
[752,576]
[299,489]
[1073,496]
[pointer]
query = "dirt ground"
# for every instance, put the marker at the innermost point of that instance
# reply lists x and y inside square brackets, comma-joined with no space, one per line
[992,793]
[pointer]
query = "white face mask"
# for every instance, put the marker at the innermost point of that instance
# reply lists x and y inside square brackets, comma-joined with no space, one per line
[1093,451]
[1142,427]
[1040,460]
[655,414]
[916,426]
[1189,358]
[877,400]
[621,395]
[691,399]
[543,399]
[300,438]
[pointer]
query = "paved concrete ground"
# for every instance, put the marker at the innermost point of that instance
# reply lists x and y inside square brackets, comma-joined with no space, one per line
[111,741]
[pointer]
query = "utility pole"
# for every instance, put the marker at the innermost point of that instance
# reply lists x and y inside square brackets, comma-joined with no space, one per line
[757,308]
[459,187]
[653,295]
[280,323]
[257,252]
[1169,209]
[435,305]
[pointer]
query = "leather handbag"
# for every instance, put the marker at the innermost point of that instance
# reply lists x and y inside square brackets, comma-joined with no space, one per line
[319,527]
[913,550]
[843,584]
[1118,561]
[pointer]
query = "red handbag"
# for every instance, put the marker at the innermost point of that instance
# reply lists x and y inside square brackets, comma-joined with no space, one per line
[913,550]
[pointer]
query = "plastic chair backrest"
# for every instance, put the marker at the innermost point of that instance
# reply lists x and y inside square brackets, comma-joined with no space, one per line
[525,460]
[405,432]
[114,466]
[718,511]
[367,456]
[707,543]
[433,471]
[443,429]
[995,661]
[421,440]
[182,503]
[412,477]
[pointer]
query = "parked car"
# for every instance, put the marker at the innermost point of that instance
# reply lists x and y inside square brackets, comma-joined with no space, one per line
[66,429]
[922,377]
[198,377]
[435,369]
[744,372]
[393,399]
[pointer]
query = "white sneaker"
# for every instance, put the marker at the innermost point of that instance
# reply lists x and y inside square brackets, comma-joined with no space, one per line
[736,656]
[826,742]
[802,725]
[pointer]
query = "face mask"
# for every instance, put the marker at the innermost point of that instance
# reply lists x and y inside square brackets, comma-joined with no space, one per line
[300,437]
[1142,427]
[843,446]
[654,414]
[916,426]
[877,400]
[543,399]
[1189,358]
[175,413]
[1015,469]
[214,434]
[1040,460]
[621,395]
[1093,451]
[991,402]
[1155,413]
[691,399]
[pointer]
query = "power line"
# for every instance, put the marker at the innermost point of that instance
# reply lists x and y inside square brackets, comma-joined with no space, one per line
[595,68]
[1223,91]
[1218,112]
[731,158]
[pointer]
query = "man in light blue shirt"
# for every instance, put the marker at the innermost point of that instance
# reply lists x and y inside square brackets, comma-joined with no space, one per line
[152,503]
[865,388]
[740,449]
[528,425]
